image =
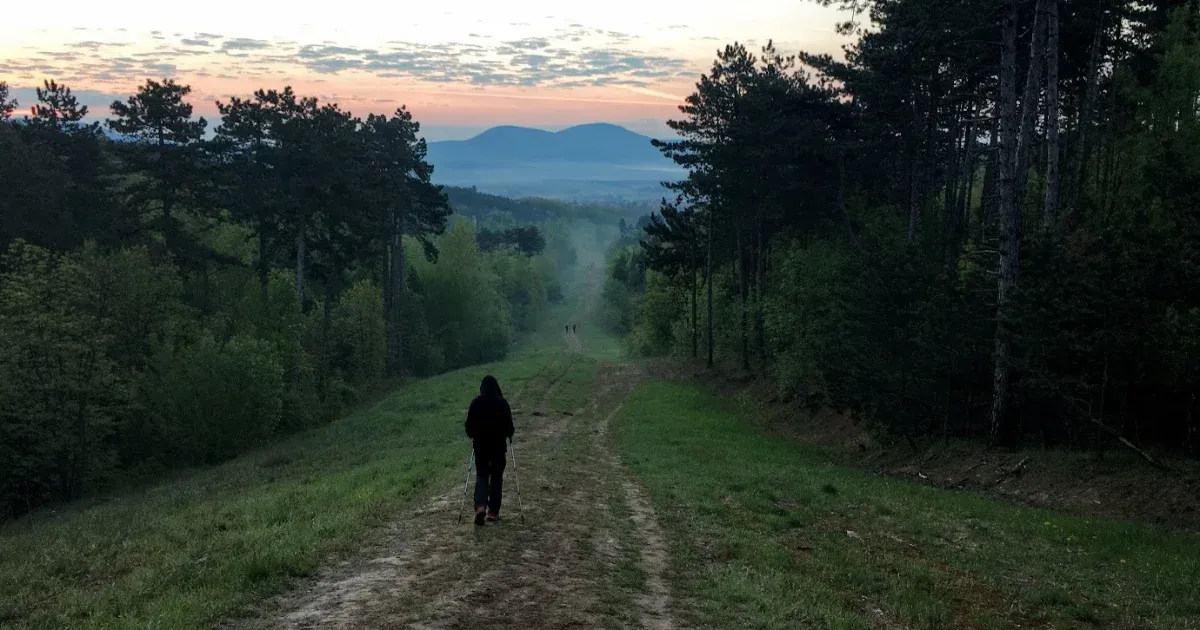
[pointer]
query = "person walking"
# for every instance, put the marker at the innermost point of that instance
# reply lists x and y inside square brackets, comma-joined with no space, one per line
[489,425]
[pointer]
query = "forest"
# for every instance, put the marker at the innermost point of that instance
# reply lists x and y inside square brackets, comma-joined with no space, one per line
[981,223]
[179,295]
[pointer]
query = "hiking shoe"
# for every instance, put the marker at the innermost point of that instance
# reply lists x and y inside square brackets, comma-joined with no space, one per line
[493,517]
[480,514]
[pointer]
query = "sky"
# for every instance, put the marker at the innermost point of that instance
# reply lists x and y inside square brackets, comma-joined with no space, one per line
[460,67]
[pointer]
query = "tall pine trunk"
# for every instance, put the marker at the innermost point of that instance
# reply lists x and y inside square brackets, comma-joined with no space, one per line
[1009,223]
[744,292]
[396,275]
[300,266]
[962,206]
[692,247]
[989,202]
[841,199]
[1029,101]
[1050,215]
[709,279]
[951,188]
[760,286]
[385,272]
[914,186]
[1087,110]
[264,265]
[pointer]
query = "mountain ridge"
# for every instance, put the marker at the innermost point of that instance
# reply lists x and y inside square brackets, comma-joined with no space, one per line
[590,162]
[592,143]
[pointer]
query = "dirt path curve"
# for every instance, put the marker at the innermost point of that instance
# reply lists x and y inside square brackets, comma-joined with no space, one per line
[588,554]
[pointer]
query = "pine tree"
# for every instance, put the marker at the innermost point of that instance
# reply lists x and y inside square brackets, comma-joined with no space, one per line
[412,206]
[7,105]
[57,109]
[160,121]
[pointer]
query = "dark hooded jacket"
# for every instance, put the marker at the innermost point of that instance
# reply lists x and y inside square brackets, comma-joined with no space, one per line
[489,419]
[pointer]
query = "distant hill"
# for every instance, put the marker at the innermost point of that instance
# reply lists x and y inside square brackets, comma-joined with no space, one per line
[580,163]
[599,143]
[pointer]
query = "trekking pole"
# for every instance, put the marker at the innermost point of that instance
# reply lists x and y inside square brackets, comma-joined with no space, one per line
[466,484]
[512,447]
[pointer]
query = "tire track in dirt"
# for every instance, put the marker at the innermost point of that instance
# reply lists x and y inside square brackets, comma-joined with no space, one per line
[655,601]
[583,514]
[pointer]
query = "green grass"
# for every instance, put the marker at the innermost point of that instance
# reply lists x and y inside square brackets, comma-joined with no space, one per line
[189,551]
[758,527]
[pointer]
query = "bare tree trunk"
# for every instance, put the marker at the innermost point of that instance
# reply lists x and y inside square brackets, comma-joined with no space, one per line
[744,290]
[1010,229]
[386,283]
[695,309]
[951,189]
[395,334]
[841,199]
[1050,216]
[760,277]
[972,176]
[990,199]
[300,267]
[1029,102]
[264,265]
[954,160]
[914,186]
[709,280]
[1087,111]
[967,177]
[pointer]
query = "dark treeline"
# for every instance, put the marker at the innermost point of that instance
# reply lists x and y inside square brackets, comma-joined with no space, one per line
[471,202]
[983,223]
[178,296]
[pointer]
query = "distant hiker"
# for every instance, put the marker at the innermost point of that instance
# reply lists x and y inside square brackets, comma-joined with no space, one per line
[489,424]
[573,329]
[566,329]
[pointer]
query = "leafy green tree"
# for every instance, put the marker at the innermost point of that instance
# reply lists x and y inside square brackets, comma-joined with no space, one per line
[63,390]
[527,240]
[359,335]
[464,307]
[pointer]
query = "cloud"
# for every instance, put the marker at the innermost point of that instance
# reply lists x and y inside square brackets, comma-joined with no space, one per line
[59,55]
[571,57]
[93,45]
[529,43]
[242,43]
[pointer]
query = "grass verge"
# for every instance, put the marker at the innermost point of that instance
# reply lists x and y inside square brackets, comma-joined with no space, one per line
[190,551]
[766,533]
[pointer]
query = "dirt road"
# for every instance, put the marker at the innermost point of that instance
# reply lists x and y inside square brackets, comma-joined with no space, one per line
[588,552]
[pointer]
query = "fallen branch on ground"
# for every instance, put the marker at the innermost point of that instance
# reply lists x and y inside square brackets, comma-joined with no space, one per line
[1085,408]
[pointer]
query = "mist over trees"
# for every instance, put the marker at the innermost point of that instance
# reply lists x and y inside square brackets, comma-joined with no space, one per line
[170,300]
[982,223]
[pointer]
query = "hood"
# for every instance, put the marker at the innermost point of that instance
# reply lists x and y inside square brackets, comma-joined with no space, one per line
[490,387]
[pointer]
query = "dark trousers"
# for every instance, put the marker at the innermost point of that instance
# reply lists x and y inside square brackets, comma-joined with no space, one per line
[489,477]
